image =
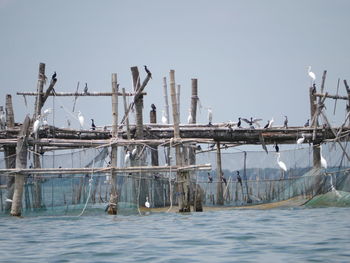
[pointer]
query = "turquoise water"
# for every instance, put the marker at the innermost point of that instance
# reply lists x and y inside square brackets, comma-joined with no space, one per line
[278,235]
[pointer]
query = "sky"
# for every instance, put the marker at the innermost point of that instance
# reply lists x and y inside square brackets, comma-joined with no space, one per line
[250,57]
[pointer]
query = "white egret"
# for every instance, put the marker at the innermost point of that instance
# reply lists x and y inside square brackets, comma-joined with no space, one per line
[323,160]
[210,115]
[134,152]
[281,164]
[311,74]
[270,123]
[302,139]
[36,125]
[127,158]
[164,118]
[81,119]
[47,112]
[189,118]
[8,200]
[147,204]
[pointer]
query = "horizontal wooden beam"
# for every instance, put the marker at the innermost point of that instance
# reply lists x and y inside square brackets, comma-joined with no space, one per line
[78,94]
[97,170]
[337,97]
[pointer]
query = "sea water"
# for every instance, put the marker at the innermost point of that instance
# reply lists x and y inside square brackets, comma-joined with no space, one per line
[238,235]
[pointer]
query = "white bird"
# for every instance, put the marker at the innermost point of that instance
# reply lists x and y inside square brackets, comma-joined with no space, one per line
[189,118]
[127,158]
[134,152]
[47,112]
[281,164]
[210,115]
[323,160]
[311,74]
[164,118]
[36,125]
[8,200]
[81,119]
[302,139]
[147,204]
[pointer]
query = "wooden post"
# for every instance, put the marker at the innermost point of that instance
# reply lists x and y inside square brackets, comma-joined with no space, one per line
[113,201]
[219,189]
[178,92]
[194,99]
[9,151]
[166,112]
[154,150]
[21,162]
[138,103]
[36,152]
[182,177]
[348,92]
[10,118]
[127,115]
[313,111]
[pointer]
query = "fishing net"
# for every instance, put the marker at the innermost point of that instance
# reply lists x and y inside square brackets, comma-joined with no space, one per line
[262,180]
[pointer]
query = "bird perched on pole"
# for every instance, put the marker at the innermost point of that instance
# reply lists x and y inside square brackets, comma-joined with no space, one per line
[86,89]
[148,72]
[153,107]
[54,76]
[81,119]
[252,121]
[189,118]
[307,123]
[239,122]
[210,116]
[311,75]
[164,118]
[285,125]
[93,126]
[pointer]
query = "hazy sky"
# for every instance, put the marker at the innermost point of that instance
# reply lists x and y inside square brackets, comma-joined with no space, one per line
[250,57]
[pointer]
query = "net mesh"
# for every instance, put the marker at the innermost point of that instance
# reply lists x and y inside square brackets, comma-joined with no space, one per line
[262,181]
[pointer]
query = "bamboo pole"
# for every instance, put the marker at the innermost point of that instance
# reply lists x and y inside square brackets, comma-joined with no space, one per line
[113,201]
[36,153]
[21,162]
[314,123]
[178,93]
[348,92]
[182,177]
[126,114]
[166,112]
[219,175]
[9,151]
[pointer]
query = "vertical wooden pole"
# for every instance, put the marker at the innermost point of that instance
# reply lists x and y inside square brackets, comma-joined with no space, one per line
[21,162]
[348,92]
[113,201]
[219,189]
[165,92]
[154,150]
[138,103]
[157,185]
[127,117]
[9,151]
[182,177]
[313,109]
[178,93]
[36,152]
[194,99]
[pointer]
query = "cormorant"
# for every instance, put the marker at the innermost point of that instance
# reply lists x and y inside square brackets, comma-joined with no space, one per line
[148,72]
[267,124]
[252,121]
[86,88]
[276,147]
[239,179]
[286,122]
[93,126]
[54,76]
[239,122]
[210,178]
[153,107]
[307,124]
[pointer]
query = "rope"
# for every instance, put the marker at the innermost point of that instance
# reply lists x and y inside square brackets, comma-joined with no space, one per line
[90,187]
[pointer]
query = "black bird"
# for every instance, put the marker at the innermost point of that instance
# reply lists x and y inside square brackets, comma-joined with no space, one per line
[239,179]
[93,126]
[251,122]
[210,178]
[148,72]
[223,179]
[276,147]
[198,148]
[239,122]
[86,88]
[267,125]
[153,107]
[54,76]
[307,123]
[286,122]
[313,88]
